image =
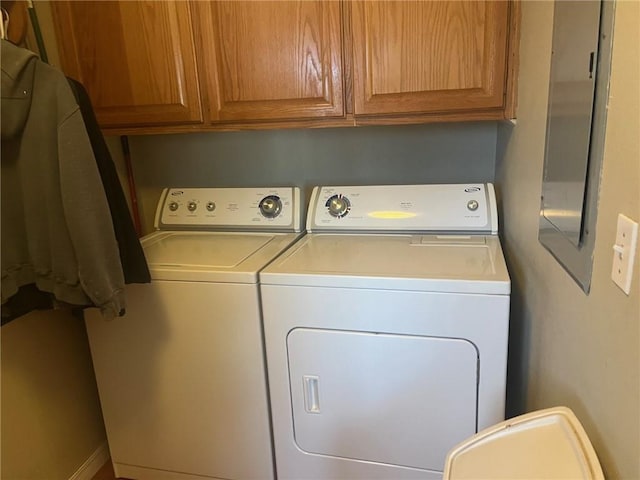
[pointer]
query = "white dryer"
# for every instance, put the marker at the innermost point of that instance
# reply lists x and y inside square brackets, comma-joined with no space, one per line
[181,377]
[386,331]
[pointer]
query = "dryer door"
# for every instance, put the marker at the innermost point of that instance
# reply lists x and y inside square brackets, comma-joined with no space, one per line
[394,399]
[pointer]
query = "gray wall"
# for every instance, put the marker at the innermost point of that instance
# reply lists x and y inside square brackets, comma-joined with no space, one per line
[566,347]
[447,153]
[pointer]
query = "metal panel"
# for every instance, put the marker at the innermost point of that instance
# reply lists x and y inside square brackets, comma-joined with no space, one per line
[578,94]
[572,85]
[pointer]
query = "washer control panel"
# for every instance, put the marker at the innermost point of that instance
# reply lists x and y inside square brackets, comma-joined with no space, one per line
[227,208]
[404,208]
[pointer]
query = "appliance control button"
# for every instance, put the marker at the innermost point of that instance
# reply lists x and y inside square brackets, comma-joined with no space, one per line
[270,206]
[173,206]
[211,206]
[338,206]
[191,206]
[472,205]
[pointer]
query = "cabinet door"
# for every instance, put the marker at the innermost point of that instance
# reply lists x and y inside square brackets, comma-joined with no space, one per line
[428,56]
[136,59]
[272,60]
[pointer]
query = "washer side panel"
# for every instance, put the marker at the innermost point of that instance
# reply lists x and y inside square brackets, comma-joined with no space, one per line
[182,381]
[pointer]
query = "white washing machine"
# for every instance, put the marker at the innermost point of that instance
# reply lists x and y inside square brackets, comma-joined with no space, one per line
[181,377]
[386,331]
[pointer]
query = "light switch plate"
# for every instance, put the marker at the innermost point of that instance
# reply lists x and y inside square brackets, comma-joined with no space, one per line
[624,252]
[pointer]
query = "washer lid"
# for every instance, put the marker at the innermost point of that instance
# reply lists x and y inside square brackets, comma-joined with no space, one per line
[212,256]
[549,444]
[449,263]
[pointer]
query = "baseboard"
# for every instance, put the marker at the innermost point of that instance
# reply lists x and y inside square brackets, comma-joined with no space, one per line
[94,463]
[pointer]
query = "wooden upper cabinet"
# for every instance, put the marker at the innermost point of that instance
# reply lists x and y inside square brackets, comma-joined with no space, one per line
[135,58]
[429,56]
[161,66]
[274,60]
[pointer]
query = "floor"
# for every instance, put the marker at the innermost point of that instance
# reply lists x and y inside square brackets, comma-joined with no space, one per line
[106,472]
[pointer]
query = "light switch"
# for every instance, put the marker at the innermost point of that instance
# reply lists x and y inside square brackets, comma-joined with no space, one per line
[624,252]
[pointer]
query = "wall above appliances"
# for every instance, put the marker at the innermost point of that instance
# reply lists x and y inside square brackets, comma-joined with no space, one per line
[175,66]
[393,154]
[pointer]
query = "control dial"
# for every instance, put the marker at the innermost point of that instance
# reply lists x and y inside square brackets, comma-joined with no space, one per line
[338,206]
[270,206]
[191,206]
[173,206]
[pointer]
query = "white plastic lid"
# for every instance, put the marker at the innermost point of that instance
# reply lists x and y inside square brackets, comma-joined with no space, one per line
[547,444]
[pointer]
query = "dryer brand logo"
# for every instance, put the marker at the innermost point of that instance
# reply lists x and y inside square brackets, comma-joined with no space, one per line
[177,193]
[472,189]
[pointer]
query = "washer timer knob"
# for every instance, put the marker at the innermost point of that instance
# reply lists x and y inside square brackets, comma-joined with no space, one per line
[191,206]
[473,205]
[270,206]
[173,206]
[338,206]
[211,206]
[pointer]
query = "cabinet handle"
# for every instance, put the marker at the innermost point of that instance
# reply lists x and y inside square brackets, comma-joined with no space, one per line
[311,395]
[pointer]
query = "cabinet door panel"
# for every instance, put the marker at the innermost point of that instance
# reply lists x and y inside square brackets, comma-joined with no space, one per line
[428,56]
[273,60]
[135,58]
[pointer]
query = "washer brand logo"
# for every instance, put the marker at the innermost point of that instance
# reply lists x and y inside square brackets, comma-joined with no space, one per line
[177,193]
[472,189]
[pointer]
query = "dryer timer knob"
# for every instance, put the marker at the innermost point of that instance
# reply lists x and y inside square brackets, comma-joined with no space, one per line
[338,206]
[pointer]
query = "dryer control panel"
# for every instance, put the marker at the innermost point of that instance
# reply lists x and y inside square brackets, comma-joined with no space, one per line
[269,208]
[404,208]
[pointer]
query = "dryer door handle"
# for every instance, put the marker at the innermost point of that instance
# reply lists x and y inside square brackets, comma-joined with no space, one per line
[311,394]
